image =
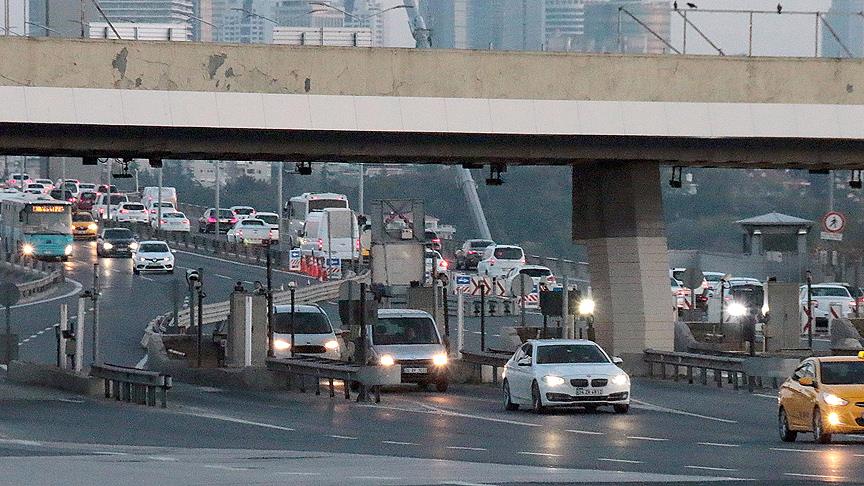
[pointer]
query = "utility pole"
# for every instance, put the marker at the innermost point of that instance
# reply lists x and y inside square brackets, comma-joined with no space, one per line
[94,297]
[217,197]
[83,18]
[360,189]
[158,202]
[267,245]
[201,295]
[280,166]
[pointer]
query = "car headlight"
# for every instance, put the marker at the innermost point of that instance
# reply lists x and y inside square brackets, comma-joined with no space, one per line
[281,345]
[107,245]
[133,245]
[331,345]
[736,309]
[93,226]
[386,360]
[439,359]
[553,380]
[833,400]
[27,249]
[68,250]
[586,307]
[621,379]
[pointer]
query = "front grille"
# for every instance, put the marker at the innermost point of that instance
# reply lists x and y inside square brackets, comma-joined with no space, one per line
[598,382]
[414,362]
[310,349]
[579,382]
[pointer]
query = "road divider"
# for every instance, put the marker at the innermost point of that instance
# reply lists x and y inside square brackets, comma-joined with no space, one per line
[133,385]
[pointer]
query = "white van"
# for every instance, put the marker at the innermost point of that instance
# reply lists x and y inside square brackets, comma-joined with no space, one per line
[299,207]
[313,332]
[151,195]
[410,338]
[332,233]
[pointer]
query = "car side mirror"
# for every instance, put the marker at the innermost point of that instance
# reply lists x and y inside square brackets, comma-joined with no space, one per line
[618,361]
[807,381]
[526,361]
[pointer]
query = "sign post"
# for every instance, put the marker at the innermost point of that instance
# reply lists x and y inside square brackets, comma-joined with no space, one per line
[521,287]
[833,224]
[9,296]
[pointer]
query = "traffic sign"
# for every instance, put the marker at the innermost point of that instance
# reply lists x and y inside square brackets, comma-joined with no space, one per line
[9,294]
[521,285]
[833,222]
[693,277]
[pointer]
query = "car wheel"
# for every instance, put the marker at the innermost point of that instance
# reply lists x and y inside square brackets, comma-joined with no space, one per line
[621,408]
[819,434]
[536,401]
[508,401]
[441,386]
[786,435]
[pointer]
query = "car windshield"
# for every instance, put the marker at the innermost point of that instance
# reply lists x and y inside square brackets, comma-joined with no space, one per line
[134,207]
[404,330]
[829,292]
[481,243]
[843,373]
[269,218]
[118,234]
[535,272]
[304,323]
[79,217]
[153,248]
[570,353]
[508,253]
[713,277]
[243,211]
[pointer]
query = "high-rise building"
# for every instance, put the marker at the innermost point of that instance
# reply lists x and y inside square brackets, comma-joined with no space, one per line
[485,24]
[564,23]
[242,21]
[14,17]
[601,27]
[849,29]
[63,18]
[303,13]
[149,11]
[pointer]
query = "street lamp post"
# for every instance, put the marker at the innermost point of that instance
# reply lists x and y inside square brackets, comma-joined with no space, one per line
[267,244]
[292,287]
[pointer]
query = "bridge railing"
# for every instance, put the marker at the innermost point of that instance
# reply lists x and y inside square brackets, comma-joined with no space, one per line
[133,385]
[755,372]
[370,378]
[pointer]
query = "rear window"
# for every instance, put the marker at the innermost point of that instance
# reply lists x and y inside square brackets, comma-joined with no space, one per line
[269,219]
[536,272]
[243,211]
[82,217]
[88,196]
[226,213]
[118,234]
[134,207]
[173,215]
[253,222]
[304,323]
[481,243]
[829,292]
[508,253]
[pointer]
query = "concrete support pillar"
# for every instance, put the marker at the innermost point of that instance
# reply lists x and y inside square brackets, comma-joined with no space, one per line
[618,215]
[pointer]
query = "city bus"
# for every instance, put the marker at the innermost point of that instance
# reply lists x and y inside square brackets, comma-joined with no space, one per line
[298,207]
[36,226]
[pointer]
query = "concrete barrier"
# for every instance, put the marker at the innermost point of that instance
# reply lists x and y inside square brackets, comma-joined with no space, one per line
[52,377]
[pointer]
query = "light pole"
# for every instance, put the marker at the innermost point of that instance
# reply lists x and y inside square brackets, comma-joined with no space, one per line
[292,287]
[267,244]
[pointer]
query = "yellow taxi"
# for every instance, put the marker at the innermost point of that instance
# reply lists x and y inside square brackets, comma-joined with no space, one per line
[84,226]
[824,396]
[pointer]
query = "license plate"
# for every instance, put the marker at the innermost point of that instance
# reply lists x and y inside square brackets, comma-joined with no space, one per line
[414,370]
[587,391]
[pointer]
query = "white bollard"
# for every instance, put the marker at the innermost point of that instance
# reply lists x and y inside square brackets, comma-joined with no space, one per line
[247,333]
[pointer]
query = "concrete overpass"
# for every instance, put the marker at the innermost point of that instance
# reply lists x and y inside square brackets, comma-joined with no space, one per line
[615,119]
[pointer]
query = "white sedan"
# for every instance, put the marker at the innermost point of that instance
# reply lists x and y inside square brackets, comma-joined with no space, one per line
[564,373]
[129,212]
[153,256]
[172,221]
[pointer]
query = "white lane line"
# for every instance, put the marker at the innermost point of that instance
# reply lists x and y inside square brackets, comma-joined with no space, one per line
[396,442]
[345,437]
[585,432]
[143,362]
[542,454]
[147,278]
[106,453]
[653,439]
[815,476]
[75,291]
[718,444]
[223,276]
[772,397]
[623,461]
[224,418]
[293,473]
[225,468]
[783,449]
[437,411]
[377,478]
[465,448]
[40,332]
[232,262]
[163,458]
[708,468]
[68,400]
[658,408]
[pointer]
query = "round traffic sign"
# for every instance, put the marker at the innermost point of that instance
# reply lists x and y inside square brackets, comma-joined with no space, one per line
[9,294]
[522,285]
[833,222]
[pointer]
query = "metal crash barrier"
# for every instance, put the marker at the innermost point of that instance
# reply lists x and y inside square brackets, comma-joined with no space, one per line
[370,378]
[495,359]
[133,385]
[746,370]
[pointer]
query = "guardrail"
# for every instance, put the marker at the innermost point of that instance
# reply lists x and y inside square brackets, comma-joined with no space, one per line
[369,377]
[132,384]
[748,370]
[51,274]
[575,271]
[495,359]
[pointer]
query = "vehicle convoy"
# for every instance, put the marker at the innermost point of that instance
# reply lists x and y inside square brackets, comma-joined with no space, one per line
[250,231]
[497,260]
[410,338]
[299,207]
[116,242]
[823,396]
[207,221]
[546,373]
[152,256]
[313,332]
[470,254]
[36,226]
[84,226]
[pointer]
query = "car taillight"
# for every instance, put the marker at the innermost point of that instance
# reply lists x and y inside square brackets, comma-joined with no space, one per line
[211,220]
[101,210]
[357,244]
[124,211]
[233,220]
[492,261]
[271,234]
[472,252]
[436,240]
[185,221]
[163,221]
[320,244]
[240,232]
[522,260]
[444,264]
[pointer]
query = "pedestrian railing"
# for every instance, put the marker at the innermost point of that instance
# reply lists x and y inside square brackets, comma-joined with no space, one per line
[133,385]
[752,372]
[369,378]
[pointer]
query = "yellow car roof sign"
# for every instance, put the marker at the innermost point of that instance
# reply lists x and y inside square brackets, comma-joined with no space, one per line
[860,354]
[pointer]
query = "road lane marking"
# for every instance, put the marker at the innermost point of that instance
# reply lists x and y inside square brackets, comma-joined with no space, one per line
[624,461]
[223,276]
[772,397]
[293,473]
[225,468]
[224,418]
[396,442]
[107,453]
[709,468]
[147,278]
[783,449]
[653,439]
[658,408]
[585,432]
[378,478]
[542,454]
[438,411]
[163,458]
[816,476]
[68,400]
[143,362]
[718,444]
[345,437]
[465,448]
